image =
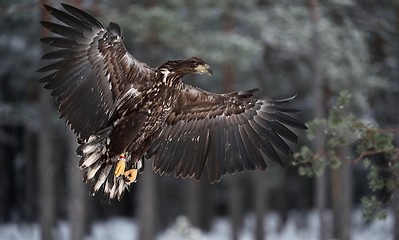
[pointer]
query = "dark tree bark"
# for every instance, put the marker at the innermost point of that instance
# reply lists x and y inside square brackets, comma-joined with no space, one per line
[77,194]
[396,215]
[6,177]
[261,183]
[30,175]
[147,203]
[318,85]
[341,185]
[235,204]
[194,201]
[199,203]
[47,204]
[395,120]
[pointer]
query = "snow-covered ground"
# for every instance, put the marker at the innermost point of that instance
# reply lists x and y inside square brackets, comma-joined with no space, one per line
[123,228]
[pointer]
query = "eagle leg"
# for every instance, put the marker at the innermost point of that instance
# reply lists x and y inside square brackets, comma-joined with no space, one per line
[130,175]
[120,166]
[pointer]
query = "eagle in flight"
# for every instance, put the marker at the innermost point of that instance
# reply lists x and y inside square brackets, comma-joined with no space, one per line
[123,111]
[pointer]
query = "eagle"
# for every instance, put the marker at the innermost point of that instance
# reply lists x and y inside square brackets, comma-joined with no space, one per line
[123,111]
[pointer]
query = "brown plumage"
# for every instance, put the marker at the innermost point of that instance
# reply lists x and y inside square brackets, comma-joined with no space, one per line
[122,110]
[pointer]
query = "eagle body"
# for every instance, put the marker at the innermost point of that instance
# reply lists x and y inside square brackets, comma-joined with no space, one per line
[123,111]
[140,115]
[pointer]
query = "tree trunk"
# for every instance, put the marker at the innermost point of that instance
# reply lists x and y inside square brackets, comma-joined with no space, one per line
[235,204]
[46,171]
[199,204]
[320,200]
[261,200]
[47,204]
[147,204]
[194,201]
[341,185]
[395,227]
[6,176]
[319,112]
[396,192]
[77,194]
[30,174]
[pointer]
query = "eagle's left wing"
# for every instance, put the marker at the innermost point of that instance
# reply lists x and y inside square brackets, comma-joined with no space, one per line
[224,132]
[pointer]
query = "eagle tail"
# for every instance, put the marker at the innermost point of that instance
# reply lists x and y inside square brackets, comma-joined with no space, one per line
[97,165]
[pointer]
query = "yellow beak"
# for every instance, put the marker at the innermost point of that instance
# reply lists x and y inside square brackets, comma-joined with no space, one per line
[204,69]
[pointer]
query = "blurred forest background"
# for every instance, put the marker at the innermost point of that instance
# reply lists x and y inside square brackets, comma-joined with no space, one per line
[318,50]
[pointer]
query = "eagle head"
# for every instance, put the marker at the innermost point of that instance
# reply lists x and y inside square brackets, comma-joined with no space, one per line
[192,65]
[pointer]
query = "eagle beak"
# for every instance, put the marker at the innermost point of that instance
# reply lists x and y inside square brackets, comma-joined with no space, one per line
[210,72]
[204,69]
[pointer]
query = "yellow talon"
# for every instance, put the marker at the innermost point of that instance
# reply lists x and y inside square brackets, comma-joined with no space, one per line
[120,168]
[130,175]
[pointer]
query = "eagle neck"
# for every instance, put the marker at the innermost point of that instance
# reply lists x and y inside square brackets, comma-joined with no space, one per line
[171,78]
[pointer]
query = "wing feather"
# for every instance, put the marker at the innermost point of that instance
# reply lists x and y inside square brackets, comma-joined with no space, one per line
[169,148]
[231,151]
[68,19]
[279,116]
[234,132]
[199,151]
[83,16]
[187,168]
[284,131]
[270,134]
[65,31]
[59,42]
[90,69]
[252,152]
[245,162]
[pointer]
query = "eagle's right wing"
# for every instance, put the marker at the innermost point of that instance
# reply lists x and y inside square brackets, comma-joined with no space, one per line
[92,70]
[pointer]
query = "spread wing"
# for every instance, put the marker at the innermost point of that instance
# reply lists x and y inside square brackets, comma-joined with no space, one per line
[224,132]
[90,69]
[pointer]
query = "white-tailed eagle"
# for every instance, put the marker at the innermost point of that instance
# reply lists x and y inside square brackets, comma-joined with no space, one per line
[123,111]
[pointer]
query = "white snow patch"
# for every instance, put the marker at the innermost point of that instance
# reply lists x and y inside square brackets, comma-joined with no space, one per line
[299,227]
[114,229]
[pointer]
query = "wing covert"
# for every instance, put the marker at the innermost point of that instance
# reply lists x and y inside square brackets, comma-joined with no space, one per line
[223,133]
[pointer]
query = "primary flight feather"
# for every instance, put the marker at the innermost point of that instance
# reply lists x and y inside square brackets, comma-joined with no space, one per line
[123,111]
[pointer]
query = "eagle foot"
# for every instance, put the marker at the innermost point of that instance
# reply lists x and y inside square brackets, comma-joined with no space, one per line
[130,175]
[120,166]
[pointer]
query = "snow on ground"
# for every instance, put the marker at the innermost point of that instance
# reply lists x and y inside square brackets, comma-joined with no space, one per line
[297,228]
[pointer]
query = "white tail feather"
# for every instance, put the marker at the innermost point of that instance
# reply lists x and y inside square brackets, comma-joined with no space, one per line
[112,193]
[106,188]
[89,148]
[121,187]
[88,161]
[101,179]
[91,172]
